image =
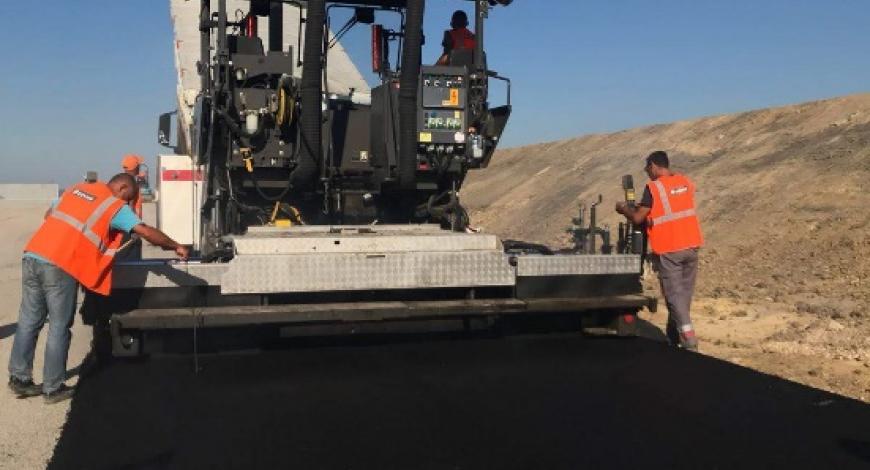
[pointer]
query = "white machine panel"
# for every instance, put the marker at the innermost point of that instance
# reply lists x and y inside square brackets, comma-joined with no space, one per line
[179,191]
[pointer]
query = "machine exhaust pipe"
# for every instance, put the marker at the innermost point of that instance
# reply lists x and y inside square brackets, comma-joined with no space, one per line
[311,114]
[276,26]
[408,83]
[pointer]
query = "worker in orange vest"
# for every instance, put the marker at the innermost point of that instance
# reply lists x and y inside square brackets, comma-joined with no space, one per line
[76,244]
[130,164]
[668,210]
[458,37]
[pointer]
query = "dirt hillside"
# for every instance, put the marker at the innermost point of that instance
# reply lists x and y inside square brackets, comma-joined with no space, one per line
[783,200]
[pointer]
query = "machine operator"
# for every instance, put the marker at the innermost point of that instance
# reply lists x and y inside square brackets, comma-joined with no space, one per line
[76,244]
[458,37]
[668,210]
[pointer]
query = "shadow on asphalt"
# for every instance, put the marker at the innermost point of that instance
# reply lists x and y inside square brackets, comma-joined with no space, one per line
[545,401]
[649,331]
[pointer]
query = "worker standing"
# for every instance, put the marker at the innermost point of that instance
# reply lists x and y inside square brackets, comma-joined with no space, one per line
[668,210]
[458,37]
[131,165]
[75,245]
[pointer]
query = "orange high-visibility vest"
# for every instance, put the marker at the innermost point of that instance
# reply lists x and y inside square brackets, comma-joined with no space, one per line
[462,38]
[77,236]
[672,224]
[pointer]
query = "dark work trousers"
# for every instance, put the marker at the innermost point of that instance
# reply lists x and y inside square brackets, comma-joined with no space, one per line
[677,272]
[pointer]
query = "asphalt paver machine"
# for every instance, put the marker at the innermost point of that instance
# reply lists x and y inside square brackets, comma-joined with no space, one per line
[324,206]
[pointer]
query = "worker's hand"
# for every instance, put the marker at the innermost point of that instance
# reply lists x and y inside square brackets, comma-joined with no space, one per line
[620,207]
[183,252]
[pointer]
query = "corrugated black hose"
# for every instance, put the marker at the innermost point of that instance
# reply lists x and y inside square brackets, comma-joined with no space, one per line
[411,56]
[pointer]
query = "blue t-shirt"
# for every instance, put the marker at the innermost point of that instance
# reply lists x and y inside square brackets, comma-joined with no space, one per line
[123,221]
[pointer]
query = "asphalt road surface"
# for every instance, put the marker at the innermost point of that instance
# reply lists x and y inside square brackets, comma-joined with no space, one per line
[537,402]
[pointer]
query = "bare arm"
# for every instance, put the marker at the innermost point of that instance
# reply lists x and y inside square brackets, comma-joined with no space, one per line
[447,45]
[636,215]
[162,240]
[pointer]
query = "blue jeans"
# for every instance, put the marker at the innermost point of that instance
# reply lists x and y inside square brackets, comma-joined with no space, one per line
[47,292]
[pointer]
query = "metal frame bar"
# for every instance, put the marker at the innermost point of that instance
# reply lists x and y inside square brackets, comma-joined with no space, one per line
[353,312]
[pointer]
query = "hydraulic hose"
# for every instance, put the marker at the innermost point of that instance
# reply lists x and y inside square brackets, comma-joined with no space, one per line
[408,83]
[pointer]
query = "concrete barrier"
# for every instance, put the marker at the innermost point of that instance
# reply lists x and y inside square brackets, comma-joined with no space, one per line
[29,192]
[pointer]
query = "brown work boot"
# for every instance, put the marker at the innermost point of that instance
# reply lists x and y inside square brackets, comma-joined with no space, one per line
[24,388]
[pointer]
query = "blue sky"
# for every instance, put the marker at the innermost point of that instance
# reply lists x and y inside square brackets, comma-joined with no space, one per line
[84,81]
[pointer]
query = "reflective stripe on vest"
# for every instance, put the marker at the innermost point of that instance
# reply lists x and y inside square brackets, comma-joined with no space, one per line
[86,228]
[669,214]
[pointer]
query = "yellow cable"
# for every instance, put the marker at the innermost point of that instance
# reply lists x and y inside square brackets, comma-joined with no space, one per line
[297,215]
[274,212]
[281,97]
[286,108]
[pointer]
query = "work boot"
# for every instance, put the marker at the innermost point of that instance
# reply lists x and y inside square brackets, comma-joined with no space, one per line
[24,388]
[689,341]
[62,393]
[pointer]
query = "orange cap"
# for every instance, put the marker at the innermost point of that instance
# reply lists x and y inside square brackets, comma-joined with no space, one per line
[130,162]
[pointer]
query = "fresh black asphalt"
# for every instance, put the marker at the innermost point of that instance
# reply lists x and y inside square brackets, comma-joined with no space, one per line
[534,402]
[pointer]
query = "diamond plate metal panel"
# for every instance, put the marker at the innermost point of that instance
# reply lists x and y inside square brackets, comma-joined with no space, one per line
[252,274]
[564,265]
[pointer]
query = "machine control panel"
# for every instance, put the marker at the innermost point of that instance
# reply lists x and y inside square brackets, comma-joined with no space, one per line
[443,91]
[442,118]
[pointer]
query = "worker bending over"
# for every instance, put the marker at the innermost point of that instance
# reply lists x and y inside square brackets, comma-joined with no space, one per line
[668,210]
[76,244]
[456,38]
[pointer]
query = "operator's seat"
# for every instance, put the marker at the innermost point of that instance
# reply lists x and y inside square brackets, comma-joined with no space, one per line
[246,45]
[460,57]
